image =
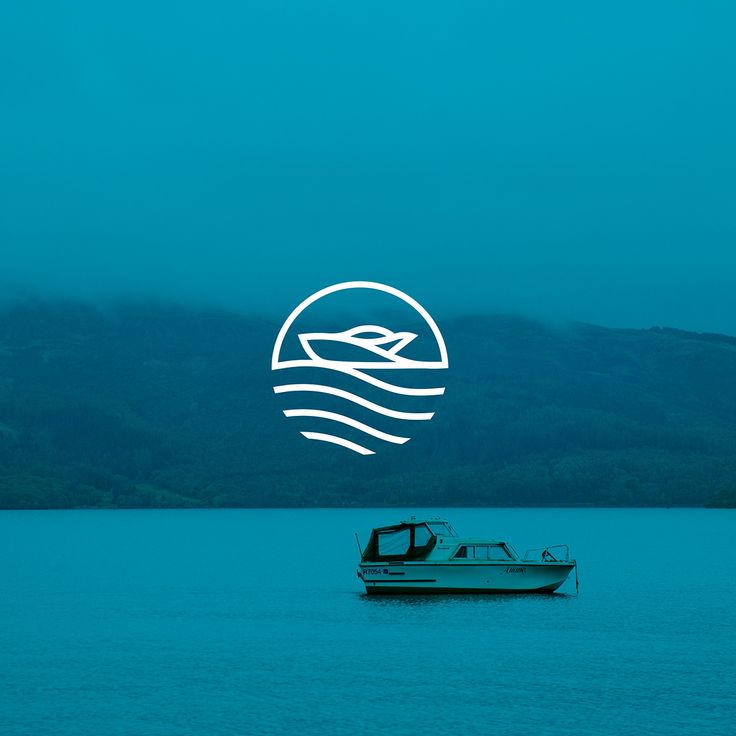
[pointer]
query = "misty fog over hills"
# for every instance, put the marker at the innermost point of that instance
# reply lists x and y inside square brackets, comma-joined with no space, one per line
[161,405]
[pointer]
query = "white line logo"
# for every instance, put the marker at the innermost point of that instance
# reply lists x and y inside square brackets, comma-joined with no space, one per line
[360,350]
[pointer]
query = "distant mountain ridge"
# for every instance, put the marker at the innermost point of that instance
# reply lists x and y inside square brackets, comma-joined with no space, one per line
[156,405]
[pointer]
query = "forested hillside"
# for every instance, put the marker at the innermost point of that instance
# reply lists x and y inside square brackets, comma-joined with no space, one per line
[151,405]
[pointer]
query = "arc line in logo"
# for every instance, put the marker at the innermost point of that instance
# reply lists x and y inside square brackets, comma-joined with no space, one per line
[320,414]
[319,388]
[354,446]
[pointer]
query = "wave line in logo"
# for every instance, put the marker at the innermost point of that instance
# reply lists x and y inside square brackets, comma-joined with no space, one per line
[318,388]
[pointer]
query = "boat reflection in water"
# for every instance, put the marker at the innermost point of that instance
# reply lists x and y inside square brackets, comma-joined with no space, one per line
[427,556]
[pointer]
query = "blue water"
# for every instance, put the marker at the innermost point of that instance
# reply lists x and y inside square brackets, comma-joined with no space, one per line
[252,622]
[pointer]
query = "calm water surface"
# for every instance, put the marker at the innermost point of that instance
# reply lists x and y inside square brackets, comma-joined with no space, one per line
[252,622]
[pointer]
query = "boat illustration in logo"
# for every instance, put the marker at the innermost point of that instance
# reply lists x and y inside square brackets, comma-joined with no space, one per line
[353,355]
[374,347]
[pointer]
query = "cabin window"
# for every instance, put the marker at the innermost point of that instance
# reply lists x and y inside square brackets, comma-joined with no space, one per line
[394,543]
[482,552]
[421,536]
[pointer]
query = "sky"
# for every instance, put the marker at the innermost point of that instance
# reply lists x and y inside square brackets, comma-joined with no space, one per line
[571,161]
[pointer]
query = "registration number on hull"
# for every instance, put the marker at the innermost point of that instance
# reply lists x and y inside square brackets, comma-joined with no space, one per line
[515,569]
[374,571]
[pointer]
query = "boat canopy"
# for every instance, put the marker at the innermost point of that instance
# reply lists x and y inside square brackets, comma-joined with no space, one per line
[409,540]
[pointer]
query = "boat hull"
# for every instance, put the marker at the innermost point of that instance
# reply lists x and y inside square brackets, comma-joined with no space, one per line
[480,577]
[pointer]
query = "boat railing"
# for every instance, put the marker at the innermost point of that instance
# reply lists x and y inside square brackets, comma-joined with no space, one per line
[547,556]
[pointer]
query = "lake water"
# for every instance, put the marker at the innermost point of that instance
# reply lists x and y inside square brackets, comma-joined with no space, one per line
[252,622]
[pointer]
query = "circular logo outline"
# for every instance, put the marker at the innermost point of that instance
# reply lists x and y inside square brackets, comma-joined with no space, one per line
[277,363]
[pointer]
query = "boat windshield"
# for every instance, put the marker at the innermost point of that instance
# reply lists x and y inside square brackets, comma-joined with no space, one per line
[440,529]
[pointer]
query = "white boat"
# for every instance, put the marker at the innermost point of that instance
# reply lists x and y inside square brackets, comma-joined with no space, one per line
[427,556]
